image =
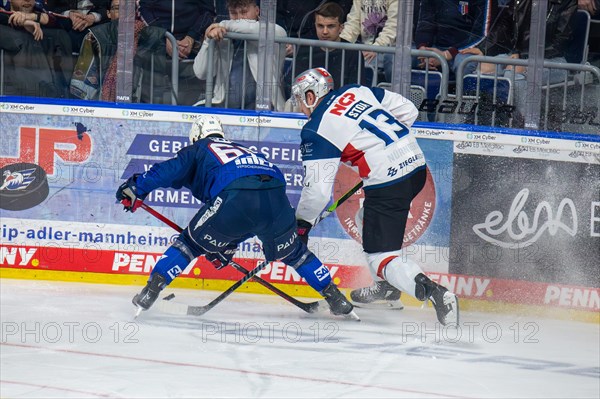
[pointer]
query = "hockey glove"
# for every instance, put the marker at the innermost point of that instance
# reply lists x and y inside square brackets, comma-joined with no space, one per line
[221,259]
[127,194]
[303,229]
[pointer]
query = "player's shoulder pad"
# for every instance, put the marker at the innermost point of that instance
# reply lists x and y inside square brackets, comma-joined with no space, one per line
[315,146]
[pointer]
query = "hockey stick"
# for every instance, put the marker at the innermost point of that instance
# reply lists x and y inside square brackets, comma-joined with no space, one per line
[339,202]
[182,309]
[161,217]
[311,307]
[307,307]
[167,306]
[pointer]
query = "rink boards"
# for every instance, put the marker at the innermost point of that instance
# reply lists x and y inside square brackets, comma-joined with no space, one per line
[507,218]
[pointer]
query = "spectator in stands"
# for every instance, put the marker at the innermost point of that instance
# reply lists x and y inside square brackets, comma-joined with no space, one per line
[329,23]
[83,14]
[230,66]
[509,37]
[22,11]
[109,83]
[37,50]
[187,20]
[447,26]
[39,5]
[96,65]
[374,22]
[591,6]
[296,16]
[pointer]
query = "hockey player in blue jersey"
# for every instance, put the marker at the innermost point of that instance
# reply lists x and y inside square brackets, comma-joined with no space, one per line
[243,196]
[368,129]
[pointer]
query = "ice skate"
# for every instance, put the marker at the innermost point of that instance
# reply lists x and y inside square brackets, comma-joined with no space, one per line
[379,295]
[444,301]
[338,303]
[146,298]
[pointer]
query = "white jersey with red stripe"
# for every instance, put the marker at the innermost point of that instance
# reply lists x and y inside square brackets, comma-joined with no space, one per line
[367,129]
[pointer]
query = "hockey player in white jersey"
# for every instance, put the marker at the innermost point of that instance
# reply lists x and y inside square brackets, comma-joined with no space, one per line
[368,129]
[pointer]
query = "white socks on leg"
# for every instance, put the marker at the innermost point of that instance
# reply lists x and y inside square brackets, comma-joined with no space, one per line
[399,272]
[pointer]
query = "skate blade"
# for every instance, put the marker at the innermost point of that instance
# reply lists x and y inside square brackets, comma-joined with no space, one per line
[392,305]
[352,316]
[138,311]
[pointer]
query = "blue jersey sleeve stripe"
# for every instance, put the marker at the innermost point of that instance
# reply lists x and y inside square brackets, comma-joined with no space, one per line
[316,146]
[378,92]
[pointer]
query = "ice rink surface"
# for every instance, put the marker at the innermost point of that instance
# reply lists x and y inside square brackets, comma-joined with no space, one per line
[73,340]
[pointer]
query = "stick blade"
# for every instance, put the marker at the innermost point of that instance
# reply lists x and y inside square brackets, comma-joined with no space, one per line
[171,307]
[389,305]
[318,307]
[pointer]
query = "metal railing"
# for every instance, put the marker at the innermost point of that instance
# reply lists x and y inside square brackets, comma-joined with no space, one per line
[1,72]
[379,50]
[578,79]
[174,71]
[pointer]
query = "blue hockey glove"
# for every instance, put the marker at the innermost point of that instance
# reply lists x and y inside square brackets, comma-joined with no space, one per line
[221,259]
[127,194]
[303,229]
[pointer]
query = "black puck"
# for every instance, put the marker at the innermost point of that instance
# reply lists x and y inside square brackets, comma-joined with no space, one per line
[24,185]
[169,297]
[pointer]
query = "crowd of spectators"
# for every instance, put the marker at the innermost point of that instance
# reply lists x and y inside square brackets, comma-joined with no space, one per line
[67,48]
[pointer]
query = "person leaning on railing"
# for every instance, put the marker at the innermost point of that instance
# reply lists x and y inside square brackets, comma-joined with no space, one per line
[37,56]
[296,17]
[329,24]
[232,70]
[187,20]
[83,15]
[593,8]
[509,37]
[447,26]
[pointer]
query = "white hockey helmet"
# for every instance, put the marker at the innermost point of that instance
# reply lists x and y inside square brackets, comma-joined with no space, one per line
[317,80]
[204,126]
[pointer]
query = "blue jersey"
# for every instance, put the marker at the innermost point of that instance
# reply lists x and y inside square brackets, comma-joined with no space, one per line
[206,168]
